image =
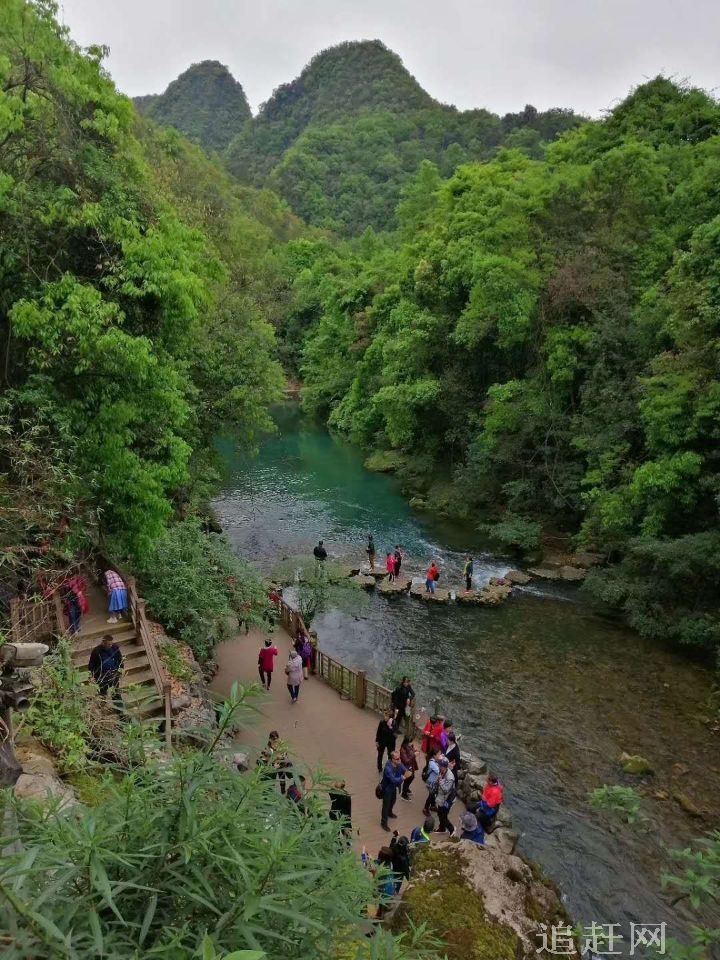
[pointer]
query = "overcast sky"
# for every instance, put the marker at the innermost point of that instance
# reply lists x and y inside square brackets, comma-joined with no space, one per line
[499,54]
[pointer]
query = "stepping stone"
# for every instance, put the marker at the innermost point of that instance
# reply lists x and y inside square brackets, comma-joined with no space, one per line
[440,596]
[394,589]
[367,583]
[518,577]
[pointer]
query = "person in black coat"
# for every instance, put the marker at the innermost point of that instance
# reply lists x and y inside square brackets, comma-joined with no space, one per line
[385,738]
[341,806]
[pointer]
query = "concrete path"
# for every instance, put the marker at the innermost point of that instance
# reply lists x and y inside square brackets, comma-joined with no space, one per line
[323,731]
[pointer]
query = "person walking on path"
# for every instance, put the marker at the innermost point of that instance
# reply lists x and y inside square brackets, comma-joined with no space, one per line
[105,666]
[408,760]
[390,567]
[385,738]
[431,577]
[371,552]
[294,672]
[392,778]
[431,736]
[446,793]
[431,779]
[468,574]
[397,561]
[403,700]
[117,595]
[266,662]
[452,752]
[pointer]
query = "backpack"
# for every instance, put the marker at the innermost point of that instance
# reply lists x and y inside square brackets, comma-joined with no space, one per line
[436,575]
[425,773]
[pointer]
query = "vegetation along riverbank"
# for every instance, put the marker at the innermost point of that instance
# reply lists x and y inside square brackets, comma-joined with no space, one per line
[518,314]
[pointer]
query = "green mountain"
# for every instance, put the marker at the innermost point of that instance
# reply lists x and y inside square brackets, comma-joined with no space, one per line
[342,140]
[206,103]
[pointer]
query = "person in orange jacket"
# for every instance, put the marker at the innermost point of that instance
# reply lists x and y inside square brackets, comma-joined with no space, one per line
[490,803]
[431,735]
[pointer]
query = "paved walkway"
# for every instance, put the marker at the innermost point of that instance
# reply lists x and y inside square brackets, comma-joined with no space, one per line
[323,731]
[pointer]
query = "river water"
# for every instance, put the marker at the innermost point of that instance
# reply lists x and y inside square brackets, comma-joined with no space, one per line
[548,692]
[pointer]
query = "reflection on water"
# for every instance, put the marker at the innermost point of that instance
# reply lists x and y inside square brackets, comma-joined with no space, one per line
[545,691]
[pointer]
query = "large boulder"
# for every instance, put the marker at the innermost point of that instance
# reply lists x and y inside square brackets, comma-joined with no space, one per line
[484,903]
[518,577]
[40,781]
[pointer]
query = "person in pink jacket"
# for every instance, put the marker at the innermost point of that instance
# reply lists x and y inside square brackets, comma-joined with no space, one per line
[266,662]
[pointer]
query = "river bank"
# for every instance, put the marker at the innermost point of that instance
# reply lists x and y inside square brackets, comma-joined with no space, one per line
[549,692]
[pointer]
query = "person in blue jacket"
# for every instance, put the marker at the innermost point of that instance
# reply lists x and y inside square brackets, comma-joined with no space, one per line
[392,778]
[421,834]
[471,829]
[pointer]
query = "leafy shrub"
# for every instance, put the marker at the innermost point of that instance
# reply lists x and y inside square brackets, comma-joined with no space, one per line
[622,800]
[198,589]
[173,659]
[515,531]
[59,710]
[180,861]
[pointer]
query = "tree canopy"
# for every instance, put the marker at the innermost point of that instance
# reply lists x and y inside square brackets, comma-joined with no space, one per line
[540,335]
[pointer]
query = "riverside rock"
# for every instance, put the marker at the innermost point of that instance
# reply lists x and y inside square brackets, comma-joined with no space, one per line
[518,577]
[40,781]
[364,582]
[399,586]
[634,764]
[440,596]
[486,901]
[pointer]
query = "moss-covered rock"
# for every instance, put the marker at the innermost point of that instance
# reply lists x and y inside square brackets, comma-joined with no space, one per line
[384,461]
[481,903]
[443,899]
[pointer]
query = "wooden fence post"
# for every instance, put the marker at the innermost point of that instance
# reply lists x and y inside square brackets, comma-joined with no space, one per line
[361,689]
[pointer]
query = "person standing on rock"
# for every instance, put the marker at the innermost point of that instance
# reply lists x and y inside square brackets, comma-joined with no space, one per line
[320,553]
[490,803]
[371,552]
[390,567]
[294,672]
[385,738]
[105,666]
[266,662]
[431,577]
[468,574]
[445,797]
[392,778]
[397,561]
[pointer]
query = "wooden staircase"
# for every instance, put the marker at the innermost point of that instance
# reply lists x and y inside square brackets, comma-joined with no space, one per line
[137,684]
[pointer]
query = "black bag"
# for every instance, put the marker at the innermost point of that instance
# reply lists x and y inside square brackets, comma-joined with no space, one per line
[425,773]
[379,790]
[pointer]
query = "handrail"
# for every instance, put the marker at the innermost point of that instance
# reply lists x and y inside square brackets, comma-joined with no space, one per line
[33,618]
[142,628]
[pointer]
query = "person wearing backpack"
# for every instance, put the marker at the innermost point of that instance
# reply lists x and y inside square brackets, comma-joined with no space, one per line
[431,775]
[445,797]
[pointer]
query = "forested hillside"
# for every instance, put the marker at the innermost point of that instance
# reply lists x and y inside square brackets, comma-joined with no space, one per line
[137,281]
[205,103]
[341,140]
[538,343]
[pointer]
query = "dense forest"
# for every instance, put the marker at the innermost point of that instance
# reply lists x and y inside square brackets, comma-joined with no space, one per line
[537,344]
[340,141]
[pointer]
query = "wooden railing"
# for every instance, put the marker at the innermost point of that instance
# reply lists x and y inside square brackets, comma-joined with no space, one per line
[142,630]
[33,620]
